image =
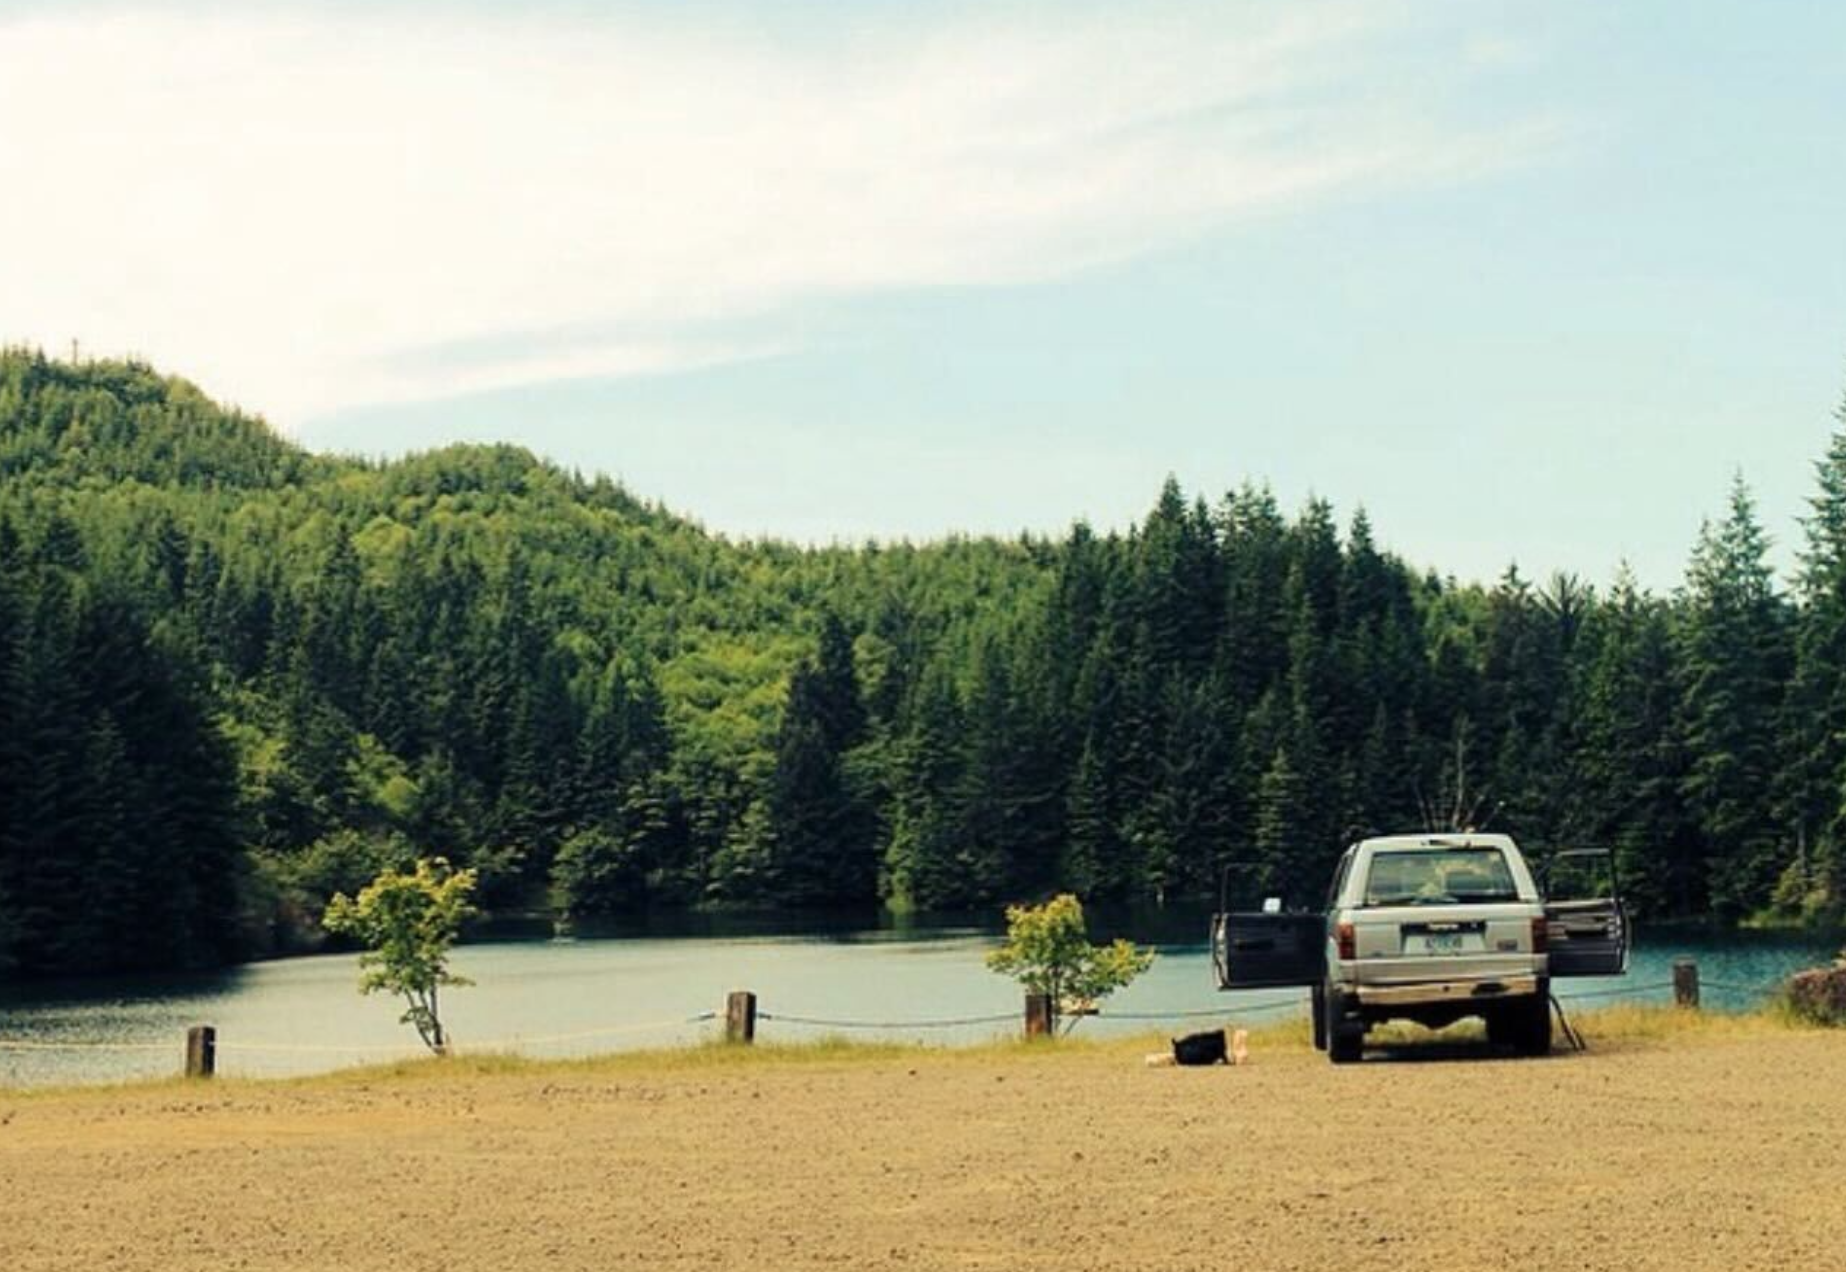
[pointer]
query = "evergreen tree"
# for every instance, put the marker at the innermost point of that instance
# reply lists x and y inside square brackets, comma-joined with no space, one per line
[925,859]
[1735,654]
[1631,763]
[1094,849]
[826,853]
[1281,841]
[1813,794]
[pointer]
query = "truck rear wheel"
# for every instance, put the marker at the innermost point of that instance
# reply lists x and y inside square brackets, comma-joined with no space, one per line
[1503,1024]
[1533,1025]
[1346,1045]
[1345,1036]
[1523,1024]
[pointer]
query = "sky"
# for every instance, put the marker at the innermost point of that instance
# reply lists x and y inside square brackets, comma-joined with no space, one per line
[1529,280]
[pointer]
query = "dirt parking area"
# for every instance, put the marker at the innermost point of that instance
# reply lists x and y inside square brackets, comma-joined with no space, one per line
[1685,1152]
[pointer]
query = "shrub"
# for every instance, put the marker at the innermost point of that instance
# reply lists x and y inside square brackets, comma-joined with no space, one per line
[1049,952]
[1818,995]
[596,873]
[408,922]
[344,861]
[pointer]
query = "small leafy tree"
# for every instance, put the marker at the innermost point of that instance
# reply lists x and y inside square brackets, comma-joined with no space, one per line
[1048,951]
[408,922]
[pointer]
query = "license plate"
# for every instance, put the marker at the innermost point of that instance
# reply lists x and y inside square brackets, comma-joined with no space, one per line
[1442,943]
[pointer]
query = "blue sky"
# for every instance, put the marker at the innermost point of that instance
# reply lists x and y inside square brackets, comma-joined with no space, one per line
[1529,281]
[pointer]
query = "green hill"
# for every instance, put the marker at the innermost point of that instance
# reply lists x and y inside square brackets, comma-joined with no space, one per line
[237,676]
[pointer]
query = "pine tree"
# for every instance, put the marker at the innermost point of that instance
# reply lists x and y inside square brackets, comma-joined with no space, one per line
[1282,842]
[14,762]
[1631,764]
[924,862]
[1253,653]
[823,837]
[1735,654]
[839,711]
[808,804]
[1094,849]
[1813,794]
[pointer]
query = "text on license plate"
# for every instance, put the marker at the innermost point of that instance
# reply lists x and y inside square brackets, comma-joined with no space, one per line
[1437,943]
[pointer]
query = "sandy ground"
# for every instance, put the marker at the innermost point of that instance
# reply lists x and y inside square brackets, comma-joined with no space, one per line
[1690,1152]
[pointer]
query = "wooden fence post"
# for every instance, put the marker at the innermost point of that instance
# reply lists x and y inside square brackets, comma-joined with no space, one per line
[201,1051]
[740,1017]
[1685,983]
[1038,1015]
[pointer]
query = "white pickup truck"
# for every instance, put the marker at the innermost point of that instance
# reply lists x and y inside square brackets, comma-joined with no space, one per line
[1433,928]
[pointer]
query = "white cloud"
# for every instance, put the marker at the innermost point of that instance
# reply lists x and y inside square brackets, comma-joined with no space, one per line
[306,212]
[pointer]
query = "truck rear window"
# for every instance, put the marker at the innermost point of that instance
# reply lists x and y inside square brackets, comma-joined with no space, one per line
[1450,876]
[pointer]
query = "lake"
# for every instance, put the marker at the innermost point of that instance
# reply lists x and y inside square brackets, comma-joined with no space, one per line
[643,985]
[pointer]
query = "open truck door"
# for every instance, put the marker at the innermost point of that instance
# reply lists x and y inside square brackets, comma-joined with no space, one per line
[1268,951]
[1266,948]
[1585,921]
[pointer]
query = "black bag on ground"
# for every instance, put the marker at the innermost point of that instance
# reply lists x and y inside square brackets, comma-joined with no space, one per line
[1200,1048]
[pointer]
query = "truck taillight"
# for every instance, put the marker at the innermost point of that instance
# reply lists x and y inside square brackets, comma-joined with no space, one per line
[1541,935]
[1346,940]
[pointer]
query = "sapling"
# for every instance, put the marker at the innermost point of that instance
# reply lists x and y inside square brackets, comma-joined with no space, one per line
[408,922]
[1048,951]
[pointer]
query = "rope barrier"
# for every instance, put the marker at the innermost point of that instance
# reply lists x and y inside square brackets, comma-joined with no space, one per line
[545,1040]
[321,1048]
[1619,992]
[360,1048]
[508,1043]
[1761,987]
[887,1024]
[1252,1010]
[24,1044]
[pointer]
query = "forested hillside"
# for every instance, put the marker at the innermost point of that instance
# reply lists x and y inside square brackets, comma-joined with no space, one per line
[235,677]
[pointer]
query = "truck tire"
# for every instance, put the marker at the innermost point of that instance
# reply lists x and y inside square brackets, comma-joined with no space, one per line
[1345,1038]
[1346,1045]
[1532,1025]
[1317,1012]
[1503,1024]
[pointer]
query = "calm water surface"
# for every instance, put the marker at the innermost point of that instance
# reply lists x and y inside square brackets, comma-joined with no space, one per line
[642,986]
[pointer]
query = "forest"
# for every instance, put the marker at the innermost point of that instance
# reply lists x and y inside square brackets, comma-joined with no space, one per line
[236,677]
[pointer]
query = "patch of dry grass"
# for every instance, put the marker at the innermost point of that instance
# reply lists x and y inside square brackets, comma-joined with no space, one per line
[1624,1023]
[1614,1027]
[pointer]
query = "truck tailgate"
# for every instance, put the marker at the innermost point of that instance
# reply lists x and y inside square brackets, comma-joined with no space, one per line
[1407,944]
